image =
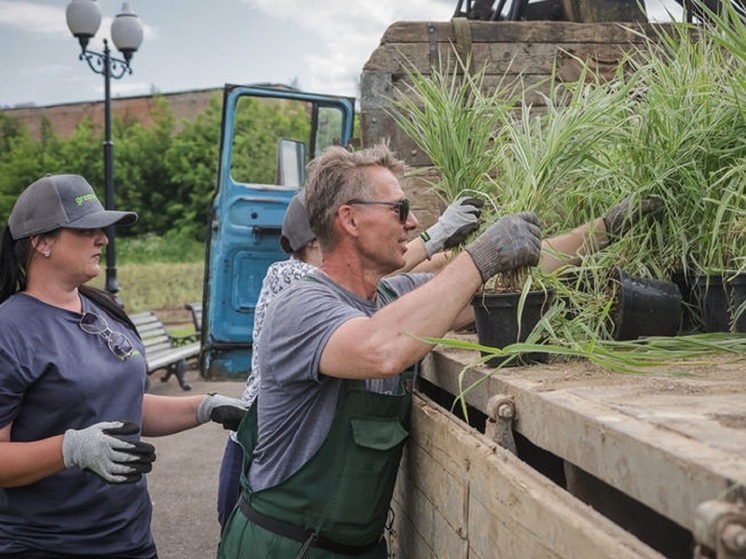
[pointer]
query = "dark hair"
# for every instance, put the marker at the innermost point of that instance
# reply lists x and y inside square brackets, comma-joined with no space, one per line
[285,245]
[106,301]
[14,256]
[12,275]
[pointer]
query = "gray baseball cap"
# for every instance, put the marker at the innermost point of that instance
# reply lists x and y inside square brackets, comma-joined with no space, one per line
[296,231]
[56,201]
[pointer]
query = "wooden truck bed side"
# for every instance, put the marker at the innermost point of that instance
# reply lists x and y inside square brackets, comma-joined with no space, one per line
[665,441]
[461,496]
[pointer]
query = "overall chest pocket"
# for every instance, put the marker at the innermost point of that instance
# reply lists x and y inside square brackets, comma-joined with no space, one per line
[375,433]
[362,495]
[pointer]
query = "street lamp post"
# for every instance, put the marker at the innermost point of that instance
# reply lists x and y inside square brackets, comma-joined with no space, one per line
[83,20]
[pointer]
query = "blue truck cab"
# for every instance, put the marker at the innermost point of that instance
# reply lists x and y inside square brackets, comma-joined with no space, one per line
[268,135]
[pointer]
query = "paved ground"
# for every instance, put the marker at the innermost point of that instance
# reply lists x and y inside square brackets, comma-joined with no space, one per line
[183,483]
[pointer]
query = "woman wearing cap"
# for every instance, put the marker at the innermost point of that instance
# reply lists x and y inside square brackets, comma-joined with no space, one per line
[72,383]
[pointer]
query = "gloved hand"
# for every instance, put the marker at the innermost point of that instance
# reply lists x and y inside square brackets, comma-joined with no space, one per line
[625,214]
[113,458]
[452,228]
[514,241]
[221,409]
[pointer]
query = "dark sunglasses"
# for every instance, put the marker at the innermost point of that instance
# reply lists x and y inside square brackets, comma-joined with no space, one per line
[401,206]
[119,344]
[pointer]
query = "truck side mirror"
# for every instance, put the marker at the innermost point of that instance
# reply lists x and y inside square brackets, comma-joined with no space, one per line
[291,163]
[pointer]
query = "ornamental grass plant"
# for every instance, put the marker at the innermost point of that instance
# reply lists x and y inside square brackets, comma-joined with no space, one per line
[452,119]
[671,123]
[688,145]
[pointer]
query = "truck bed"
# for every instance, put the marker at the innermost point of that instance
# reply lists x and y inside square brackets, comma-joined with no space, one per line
[669,439]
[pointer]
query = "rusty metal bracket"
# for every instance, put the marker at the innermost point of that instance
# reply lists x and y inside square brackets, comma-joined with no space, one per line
[720,528]
[463,46]
[500,416]
[432,39]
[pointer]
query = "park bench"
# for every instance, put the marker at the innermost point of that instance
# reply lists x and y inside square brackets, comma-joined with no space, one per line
[196,311]
[163,350]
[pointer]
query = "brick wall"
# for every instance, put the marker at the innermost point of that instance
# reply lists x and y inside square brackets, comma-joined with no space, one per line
[65,117]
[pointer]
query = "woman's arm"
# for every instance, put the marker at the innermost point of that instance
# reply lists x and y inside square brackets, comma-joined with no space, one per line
[28,462]
[166,415]
[568,249]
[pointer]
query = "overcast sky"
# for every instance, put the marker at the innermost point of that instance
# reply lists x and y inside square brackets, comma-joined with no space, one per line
[195,44]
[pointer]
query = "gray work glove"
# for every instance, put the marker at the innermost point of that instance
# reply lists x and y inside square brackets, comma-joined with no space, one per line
[102,449]
[514,241]
[452,228]
[221,409]
[625,214]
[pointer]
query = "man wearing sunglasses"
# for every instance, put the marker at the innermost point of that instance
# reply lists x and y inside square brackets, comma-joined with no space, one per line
[337,355]
[297,240]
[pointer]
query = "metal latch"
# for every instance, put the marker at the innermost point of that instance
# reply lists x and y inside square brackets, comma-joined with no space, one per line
[720,528]
[500,416]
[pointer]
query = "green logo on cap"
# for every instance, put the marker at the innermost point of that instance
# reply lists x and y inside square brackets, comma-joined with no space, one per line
[80,199]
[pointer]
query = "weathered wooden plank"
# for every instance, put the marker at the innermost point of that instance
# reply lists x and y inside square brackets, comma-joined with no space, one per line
[494,58]
[524,517]
[432,507]
[526,89]
[646,446]
[431,494]
[508,509]
[426,205]
[521,32]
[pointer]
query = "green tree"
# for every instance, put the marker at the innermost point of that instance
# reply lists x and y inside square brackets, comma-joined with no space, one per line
[258,125]
[142,179]
[79,154]
[20,164]
[191,164]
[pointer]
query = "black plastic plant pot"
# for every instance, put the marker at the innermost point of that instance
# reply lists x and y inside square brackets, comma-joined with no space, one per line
[691,320]
[645,307]
[496,318]
[719,299]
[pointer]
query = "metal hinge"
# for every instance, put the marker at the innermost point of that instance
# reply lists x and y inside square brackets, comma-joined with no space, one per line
[720,530]
[500,416]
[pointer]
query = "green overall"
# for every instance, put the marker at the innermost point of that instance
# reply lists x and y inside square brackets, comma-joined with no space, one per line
[342,494]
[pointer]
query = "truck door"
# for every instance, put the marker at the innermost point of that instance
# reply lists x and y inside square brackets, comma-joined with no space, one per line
[268,134]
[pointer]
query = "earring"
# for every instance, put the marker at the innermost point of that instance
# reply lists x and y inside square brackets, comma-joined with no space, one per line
[47,253]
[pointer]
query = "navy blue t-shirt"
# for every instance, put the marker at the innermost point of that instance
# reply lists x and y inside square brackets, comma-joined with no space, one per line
[54,377]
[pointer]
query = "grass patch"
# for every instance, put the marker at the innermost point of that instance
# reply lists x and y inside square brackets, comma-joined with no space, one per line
[159,286]
[155,273]
[152,248]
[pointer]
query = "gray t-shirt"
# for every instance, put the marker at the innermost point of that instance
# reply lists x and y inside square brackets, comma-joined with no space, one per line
[296,404]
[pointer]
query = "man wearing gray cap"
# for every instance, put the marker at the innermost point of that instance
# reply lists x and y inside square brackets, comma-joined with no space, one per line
[72,383]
